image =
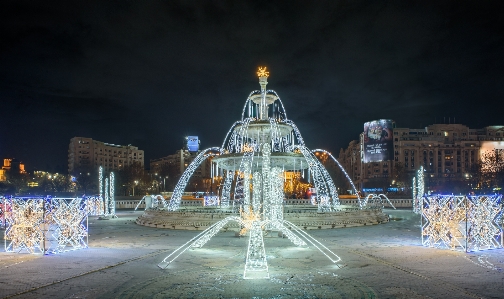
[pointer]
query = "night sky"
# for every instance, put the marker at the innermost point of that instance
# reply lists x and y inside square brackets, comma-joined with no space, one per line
[148,73]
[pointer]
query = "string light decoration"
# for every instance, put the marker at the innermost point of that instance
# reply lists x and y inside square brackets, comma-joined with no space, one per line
[414,190]
[100,181]
[376,200]
[3,208]
[253,221]
[256,265]
[211,201]
[226,189]
[464,223]
[93,205]
[106,202]
[184,179]
[336,203]
[152,202]
[45,225]
[254,157]
[418,190]
[112,196]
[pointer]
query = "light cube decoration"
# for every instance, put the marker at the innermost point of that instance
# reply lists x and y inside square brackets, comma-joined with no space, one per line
[3,207]
[94,205]
[45,225]
[465,223]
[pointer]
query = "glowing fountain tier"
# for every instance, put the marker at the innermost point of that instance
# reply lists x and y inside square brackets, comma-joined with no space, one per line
[287,161]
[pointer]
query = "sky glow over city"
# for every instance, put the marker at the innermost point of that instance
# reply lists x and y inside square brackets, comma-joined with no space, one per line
[150,73]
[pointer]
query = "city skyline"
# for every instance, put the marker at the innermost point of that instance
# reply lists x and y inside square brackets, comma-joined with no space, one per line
[149,74]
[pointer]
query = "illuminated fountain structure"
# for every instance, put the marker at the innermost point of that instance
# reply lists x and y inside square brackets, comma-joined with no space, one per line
[253,160]
[239,162]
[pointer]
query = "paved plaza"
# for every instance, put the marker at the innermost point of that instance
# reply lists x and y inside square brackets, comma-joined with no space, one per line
[381,261]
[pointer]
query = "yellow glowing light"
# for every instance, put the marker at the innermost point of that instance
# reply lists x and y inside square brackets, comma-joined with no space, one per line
[262,72]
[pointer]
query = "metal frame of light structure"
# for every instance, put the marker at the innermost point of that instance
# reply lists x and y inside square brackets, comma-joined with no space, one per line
[46,225]
[465,223]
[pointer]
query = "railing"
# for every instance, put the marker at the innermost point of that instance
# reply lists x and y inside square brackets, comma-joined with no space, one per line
[131,204]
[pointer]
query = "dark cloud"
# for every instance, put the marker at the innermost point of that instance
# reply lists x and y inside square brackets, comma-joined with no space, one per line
[148,73]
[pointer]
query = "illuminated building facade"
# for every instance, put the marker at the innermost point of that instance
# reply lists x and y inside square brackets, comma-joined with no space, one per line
[86,154]
[178,162]
[7,165]
[448,152]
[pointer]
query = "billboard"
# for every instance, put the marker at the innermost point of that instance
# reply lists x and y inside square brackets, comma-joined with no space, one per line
[491,154]
[192,143]
[378,140]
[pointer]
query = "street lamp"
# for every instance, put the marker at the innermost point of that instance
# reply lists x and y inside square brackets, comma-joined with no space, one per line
[136,182]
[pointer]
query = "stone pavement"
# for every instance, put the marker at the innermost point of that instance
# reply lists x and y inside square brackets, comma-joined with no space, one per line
[380,261]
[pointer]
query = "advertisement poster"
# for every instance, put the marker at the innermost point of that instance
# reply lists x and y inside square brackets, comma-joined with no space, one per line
[378,141]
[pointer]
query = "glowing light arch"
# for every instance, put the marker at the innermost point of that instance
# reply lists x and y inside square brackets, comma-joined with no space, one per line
[184,179]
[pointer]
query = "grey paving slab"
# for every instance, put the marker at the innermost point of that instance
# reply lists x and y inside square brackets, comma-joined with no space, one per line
[383,261]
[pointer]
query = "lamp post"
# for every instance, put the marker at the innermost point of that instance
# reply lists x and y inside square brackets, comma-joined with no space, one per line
[136,182]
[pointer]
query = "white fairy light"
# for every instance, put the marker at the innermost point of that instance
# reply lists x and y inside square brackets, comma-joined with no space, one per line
[256,265]
[466,223]
[226,189]
[211,200]
[418,190]
[46,225]
[179,188]
[100,180]
[106,204]
[271,136]
[414,190]
[342,169]
[112,196]
[375,199]
[100,188]
[94,205]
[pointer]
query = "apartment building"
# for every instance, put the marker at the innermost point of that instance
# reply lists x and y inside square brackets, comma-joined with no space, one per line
[446,152]
[178,162]
[86,154]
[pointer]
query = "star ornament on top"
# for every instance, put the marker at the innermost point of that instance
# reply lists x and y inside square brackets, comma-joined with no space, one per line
[261,72]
